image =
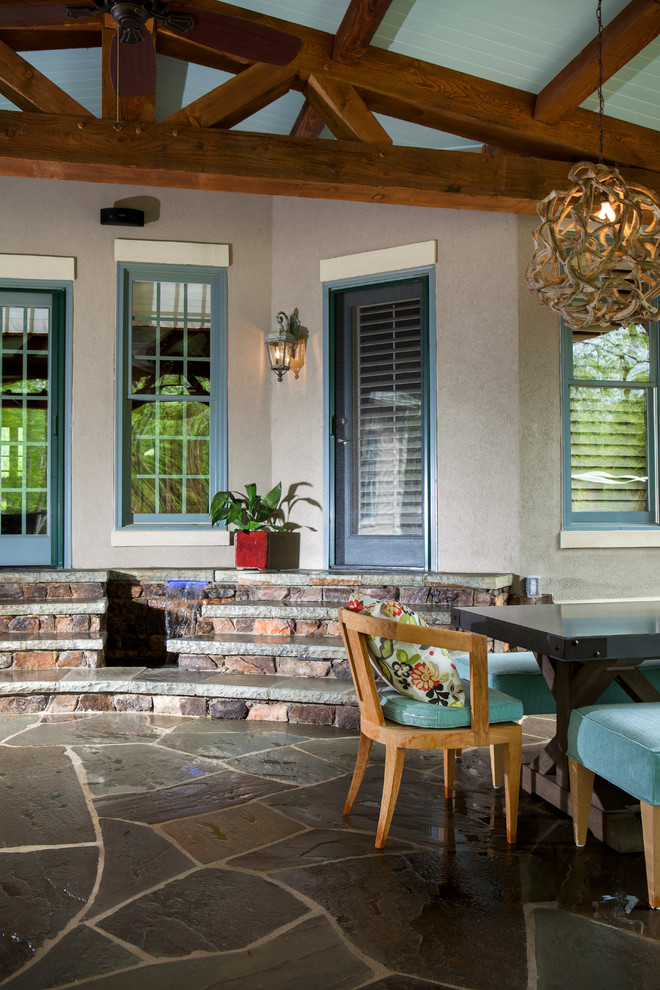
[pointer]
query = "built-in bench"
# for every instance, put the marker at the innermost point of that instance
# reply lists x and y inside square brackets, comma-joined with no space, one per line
[622,745]
[519,674]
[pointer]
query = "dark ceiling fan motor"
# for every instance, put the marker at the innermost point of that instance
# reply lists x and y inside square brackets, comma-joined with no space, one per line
[131,17]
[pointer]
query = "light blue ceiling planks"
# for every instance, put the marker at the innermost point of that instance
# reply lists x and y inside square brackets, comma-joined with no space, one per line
[520,43]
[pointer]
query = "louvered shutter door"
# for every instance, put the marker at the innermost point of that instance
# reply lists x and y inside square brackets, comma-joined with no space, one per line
[388,399]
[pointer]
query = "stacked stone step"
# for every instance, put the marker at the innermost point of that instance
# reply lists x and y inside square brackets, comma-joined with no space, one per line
[262,646]
[288,632]
[52,619]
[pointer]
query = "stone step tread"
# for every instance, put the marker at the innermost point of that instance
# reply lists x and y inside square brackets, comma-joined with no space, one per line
[305,610]
[11,642]
[366,579]
[179,683]
[32,575]
[250,644]
[53,606]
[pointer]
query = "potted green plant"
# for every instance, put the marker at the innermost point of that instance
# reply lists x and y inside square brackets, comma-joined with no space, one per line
[252,515]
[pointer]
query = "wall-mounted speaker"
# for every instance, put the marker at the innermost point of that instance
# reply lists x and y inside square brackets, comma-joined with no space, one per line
[122,216]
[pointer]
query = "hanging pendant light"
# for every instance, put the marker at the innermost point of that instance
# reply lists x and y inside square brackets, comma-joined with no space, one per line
[597,257]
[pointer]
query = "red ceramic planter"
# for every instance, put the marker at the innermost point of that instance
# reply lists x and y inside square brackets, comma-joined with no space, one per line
[251,549]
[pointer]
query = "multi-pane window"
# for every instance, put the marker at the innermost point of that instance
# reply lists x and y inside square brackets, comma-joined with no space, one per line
[24,434]
[173,393]
[610,426]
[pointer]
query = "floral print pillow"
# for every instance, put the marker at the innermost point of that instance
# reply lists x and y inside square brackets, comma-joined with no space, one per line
[424,673]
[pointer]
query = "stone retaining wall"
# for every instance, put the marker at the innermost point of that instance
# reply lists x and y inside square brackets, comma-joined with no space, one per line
[341,716]
[138,606]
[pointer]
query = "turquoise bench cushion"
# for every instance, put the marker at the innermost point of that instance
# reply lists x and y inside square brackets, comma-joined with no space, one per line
[620,743]
[518,674]
[407,711]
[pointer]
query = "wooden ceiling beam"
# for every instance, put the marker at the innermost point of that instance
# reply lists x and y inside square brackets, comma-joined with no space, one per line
[358,26]
[462,104]
[623,38]
[344,112]
[236,99]
[308,123]
[30,90]
[88,149]
[488,112]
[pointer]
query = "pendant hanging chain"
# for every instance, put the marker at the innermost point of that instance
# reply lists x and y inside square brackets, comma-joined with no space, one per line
[600,82]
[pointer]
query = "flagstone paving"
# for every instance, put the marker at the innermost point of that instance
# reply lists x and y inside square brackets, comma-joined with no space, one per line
[164,852]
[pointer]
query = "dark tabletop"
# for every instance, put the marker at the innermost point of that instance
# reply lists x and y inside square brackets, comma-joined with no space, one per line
[606,630]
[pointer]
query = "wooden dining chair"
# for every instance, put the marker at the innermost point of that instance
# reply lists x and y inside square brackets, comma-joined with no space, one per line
[489,718]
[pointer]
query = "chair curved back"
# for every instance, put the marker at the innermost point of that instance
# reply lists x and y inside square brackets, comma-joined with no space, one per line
[505,737]
[357,626]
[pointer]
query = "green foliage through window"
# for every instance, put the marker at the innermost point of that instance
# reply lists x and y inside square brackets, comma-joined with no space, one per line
[610,380]
[170,395]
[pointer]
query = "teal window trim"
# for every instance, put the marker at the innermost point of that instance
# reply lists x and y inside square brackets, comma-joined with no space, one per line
[127,273]
[576,521]
[330,292]
[61,365]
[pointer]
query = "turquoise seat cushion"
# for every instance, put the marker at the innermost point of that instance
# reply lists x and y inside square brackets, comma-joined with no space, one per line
[517,674]
[620,743]
[407,711]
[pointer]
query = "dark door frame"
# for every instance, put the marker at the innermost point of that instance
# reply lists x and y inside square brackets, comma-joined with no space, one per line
[330,290]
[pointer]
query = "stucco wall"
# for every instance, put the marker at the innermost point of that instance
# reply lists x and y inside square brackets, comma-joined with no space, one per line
[477,373]
[62,218]
[276,431]
[567,574]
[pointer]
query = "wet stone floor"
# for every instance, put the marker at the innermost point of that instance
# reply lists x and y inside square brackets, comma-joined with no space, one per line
[158,852]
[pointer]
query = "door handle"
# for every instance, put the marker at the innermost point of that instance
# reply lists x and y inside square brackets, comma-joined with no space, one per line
[343,442]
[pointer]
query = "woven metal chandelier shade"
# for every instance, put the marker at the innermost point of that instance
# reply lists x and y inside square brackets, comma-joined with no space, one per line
[597,257]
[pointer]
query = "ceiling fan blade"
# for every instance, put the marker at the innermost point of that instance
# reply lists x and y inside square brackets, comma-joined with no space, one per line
[236,36]
[136,73]
[24,15]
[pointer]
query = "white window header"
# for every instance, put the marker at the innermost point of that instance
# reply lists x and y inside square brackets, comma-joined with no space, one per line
[610,539]
[172,253]
[36,267]
[377,262]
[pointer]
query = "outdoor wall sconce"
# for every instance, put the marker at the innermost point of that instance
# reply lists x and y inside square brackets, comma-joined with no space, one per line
[286,350]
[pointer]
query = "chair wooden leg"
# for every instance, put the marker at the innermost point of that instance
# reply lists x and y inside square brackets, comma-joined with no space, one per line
[361,761]
[394,757]
[582,785]
[497,758]
[512,754]
[651,830]
[449,760]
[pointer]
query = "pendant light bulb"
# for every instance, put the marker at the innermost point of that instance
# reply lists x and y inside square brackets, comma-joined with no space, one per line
[606,212]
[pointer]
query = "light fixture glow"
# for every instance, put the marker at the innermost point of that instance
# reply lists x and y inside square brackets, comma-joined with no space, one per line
[606,212]
[281,344]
